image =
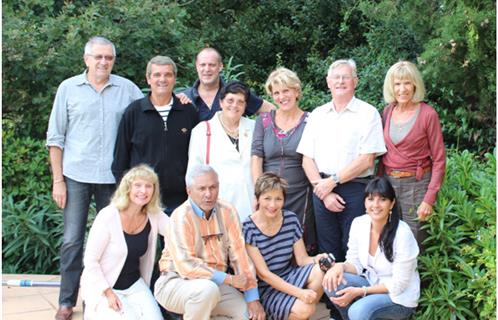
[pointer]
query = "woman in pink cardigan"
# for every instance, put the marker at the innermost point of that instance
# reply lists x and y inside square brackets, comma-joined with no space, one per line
[120,251]
[415,160]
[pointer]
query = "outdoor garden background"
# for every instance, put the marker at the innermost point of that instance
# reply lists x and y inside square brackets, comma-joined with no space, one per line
[453,43]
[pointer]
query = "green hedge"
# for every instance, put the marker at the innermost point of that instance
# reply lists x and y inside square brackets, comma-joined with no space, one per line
[458,264]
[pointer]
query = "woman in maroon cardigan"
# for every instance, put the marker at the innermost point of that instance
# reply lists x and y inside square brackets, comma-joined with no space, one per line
[415,160]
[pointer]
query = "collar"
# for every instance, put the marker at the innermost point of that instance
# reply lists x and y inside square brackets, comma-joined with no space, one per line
[195,88]
[198,211]
[148,106]
[351,106]
[83,79]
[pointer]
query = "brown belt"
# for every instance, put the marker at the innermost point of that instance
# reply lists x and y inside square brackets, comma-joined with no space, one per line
[405,174]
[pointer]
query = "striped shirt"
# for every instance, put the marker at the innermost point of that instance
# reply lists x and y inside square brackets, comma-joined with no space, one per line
[200,248]
[164,112]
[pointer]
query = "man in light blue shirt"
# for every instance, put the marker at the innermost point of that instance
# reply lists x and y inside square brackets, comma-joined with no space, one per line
[81,135]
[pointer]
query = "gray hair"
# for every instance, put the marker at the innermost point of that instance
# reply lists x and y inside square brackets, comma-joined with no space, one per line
[98,40]
[160,61]
[197,171]
[337,63]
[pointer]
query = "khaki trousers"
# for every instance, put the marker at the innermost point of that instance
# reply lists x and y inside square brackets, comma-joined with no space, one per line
[200,299]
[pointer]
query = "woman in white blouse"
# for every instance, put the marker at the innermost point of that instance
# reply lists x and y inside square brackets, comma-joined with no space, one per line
[224,142]
[379,278]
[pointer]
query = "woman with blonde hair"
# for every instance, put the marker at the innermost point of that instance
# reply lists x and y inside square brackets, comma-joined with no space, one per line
[415,160]
[121,248]
[275,140]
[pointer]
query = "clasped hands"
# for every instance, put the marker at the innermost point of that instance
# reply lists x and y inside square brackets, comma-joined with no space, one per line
[322,188]
[331,281]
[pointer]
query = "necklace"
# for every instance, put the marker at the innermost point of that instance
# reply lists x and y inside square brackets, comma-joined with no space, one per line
[233,133]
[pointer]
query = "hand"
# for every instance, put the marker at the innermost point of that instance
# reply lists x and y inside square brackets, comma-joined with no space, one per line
[256,311]
[59,193]
[323,187]
[307,296]
[239,281]
[113,300]
[424,211]
[334,202]
[346,296]
[334,277]
[183,98]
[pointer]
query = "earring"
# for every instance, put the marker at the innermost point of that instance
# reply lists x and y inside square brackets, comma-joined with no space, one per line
[390,213]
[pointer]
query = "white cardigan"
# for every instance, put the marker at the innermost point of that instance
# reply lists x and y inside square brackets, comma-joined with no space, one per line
[400,276]
[233,167]
[106,252]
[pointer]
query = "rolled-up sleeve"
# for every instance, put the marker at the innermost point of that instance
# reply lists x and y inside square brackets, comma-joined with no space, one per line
[57,125]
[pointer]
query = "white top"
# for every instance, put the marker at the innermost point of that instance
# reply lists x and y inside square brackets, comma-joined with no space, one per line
[333,140]
[106,253]
[233,167]
[400,276]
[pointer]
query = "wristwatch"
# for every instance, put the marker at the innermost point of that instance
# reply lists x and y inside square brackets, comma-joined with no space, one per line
[335,178]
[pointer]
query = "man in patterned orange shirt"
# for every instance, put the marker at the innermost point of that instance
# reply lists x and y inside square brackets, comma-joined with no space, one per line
[204,239]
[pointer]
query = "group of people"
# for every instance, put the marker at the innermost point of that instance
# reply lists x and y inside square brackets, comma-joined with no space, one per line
[247,210]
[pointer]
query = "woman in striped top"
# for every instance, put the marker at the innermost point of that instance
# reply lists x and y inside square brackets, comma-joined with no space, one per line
[273,238]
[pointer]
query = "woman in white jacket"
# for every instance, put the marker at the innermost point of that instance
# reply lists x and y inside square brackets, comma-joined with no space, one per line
[224,142]
[120,251]
[379,278]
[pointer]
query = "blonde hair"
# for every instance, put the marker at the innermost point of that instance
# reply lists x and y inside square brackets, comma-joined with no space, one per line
[404,70]
[284,77]
[121,197]
[269,181]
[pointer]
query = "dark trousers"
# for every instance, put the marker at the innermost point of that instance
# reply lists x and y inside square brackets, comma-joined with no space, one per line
[333,227]
[79,195]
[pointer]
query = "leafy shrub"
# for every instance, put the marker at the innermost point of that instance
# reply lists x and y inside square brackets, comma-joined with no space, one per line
[25,164]
[31,235]
[458,263]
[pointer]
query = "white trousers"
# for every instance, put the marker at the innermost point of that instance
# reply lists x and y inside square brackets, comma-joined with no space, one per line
[138,304]
[200,299]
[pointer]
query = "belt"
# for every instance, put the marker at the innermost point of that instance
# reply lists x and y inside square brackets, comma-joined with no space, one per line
[406,174]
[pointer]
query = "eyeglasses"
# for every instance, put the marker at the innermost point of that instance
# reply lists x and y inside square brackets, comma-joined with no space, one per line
[212,236]
[99,57]
[345,77]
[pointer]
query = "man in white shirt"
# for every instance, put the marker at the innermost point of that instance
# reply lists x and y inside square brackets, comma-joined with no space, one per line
[339,145]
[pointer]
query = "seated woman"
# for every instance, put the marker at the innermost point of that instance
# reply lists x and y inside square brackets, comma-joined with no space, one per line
[379,278]
[224,142]
[273,237]
[120,251]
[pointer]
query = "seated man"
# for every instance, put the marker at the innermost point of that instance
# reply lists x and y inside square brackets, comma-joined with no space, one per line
[204,235]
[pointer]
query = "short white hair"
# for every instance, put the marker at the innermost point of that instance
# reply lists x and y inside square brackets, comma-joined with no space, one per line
[198,170]
[98,40]
[337,63]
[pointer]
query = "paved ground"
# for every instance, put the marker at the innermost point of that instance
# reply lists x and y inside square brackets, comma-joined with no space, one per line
[40,303]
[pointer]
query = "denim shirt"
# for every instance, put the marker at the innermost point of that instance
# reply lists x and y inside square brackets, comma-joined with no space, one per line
[84,124]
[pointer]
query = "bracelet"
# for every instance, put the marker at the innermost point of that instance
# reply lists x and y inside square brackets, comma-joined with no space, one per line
[231,280]
[58,181]
[364,291]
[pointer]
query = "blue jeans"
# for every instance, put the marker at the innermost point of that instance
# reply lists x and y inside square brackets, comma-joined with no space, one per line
[371,307]
[333,227]
[79,195]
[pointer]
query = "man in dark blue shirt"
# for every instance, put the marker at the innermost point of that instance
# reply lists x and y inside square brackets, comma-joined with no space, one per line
[204,94]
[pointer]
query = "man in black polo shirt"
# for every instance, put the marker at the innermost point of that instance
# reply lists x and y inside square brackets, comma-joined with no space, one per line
[205,93]
[156,130]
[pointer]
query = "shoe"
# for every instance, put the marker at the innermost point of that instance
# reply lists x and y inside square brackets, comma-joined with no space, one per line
[64,313]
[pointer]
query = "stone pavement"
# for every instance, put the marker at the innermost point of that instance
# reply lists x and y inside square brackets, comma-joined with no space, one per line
[40,303]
